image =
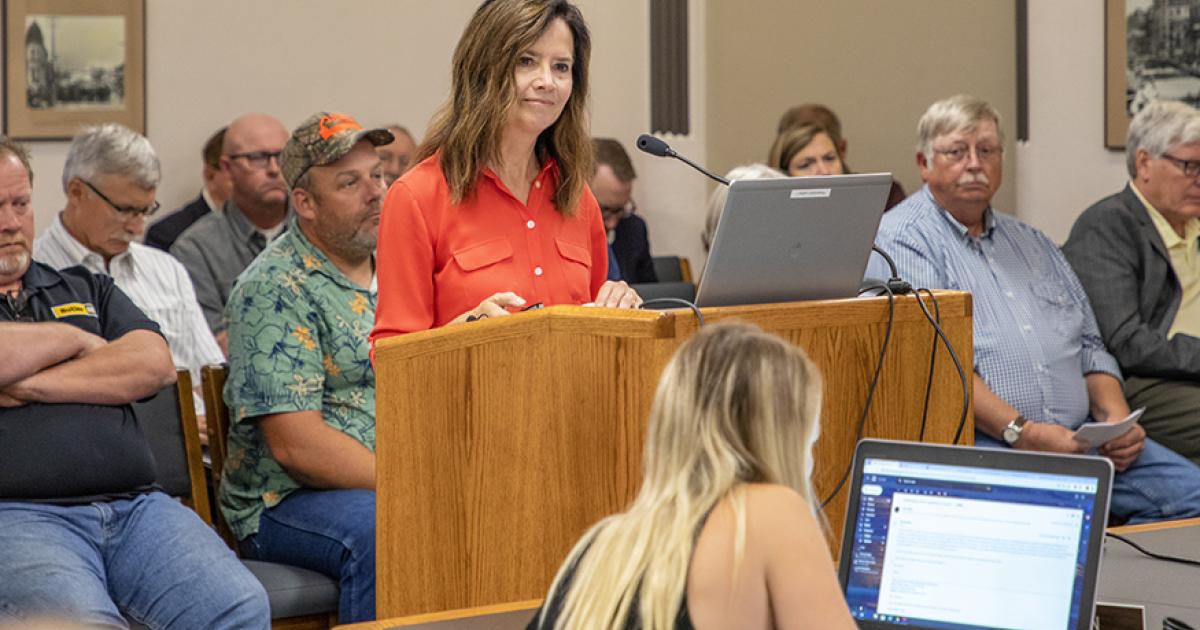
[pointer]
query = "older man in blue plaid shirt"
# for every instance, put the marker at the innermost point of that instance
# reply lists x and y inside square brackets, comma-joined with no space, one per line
[1041,369]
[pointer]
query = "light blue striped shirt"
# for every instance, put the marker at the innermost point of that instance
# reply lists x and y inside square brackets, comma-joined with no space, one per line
[1035,334]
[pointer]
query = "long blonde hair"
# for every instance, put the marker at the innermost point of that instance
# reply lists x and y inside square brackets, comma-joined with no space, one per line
[468,128]
[734,406]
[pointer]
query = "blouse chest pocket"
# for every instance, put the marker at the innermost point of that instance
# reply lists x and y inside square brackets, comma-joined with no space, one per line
[577,269]
[485,254]
[482,270]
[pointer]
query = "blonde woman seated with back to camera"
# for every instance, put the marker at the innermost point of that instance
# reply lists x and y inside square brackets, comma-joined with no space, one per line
[724,532]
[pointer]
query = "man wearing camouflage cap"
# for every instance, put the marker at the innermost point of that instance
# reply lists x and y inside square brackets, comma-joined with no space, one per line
[299,484]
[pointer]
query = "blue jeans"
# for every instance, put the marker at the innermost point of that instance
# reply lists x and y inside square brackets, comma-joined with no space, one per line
[330,532]
[149,558]
[1160,485]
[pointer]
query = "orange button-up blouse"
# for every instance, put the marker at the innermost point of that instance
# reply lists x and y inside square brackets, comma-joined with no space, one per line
[437,260]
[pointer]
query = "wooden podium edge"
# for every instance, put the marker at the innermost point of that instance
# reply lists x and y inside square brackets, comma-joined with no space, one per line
[654,324]
[607,322]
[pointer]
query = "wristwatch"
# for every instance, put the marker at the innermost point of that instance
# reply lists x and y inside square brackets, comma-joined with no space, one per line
[1012,432]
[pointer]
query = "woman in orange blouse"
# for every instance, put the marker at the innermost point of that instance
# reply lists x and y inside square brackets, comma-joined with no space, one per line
[497,215]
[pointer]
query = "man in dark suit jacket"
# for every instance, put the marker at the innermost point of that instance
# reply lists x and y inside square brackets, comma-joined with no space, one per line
[1137,254]
[612,183]
[211,198]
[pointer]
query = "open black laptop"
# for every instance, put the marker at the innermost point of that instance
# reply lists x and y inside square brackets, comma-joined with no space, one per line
[960,537]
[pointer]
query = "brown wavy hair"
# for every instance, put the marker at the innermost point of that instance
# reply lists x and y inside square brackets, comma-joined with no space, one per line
[467,130]
[791,141]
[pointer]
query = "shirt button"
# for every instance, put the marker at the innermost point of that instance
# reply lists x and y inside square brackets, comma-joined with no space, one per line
[529,224]
[1027,328]
[537,271]
[1008,293]
[537,184]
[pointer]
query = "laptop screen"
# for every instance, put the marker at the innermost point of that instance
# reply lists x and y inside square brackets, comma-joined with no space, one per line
[947,546]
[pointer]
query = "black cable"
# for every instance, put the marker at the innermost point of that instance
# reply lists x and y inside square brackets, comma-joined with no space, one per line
[888,259]
[862,420]
[937,313]
[898,286]
[1171,623]
[1156,556]
[678,302]
[962,375]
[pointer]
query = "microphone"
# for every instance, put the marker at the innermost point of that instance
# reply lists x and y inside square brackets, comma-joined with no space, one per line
[656,147]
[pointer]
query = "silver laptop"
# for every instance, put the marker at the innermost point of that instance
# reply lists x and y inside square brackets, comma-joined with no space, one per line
[796,238]
[968,538]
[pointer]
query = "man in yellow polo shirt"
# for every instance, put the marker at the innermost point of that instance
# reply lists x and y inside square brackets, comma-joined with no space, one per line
[1137,254]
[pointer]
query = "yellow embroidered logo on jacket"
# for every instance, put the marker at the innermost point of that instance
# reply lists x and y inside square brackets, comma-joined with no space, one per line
[72,309]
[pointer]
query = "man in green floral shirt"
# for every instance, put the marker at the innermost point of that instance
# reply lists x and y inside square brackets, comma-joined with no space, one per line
[299,479]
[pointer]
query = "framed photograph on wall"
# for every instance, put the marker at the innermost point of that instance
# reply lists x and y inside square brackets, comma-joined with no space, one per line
[71,63]
[1152,51]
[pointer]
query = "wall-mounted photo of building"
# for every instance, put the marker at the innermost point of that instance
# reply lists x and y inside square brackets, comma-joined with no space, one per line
[75,62]
[1162,52]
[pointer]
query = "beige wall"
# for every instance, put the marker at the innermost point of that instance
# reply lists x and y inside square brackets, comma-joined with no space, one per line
[1064,167]
[670,196]
[382,61]
[877,64]
[209,61]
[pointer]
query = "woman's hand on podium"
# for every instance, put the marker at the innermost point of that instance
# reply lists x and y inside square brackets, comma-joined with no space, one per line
[617,294]
[495,306]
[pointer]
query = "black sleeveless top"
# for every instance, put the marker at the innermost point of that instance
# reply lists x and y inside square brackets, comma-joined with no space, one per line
[553,607]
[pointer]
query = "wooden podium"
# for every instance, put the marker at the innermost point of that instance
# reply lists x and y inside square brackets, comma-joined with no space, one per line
[501,441]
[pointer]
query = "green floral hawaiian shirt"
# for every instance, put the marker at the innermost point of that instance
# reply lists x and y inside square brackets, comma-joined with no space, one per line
[297,342]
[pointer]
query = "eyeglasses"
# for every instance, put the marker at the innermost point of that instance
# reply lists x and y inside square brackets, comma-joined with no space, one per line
[1190,168]
[611,211]
[126,212]
[985,153]
[257,159]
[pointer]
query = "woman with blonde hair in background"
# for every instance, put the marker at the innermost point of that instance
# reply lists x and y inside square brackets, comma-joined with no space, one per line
[724,532]
[497,215]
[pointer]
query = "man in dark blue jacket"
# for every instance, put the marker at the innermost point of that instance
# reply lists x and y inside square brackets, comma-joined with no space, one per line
[612,183]
[211,198]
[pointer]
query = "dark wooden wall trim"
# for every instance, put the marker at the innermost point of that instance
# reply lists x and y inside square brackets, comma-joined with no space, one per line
[669,102]
[1022,69]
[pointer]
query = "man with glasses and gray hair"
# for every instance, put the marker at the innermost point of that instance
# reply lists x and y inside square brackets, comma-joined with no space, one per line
[110,180]
[1137,254]
[1041,369]
[216,248]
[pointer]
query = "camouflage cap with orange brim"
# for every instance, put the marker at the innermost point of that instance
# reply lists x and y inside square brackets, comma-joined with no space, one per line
[324,138]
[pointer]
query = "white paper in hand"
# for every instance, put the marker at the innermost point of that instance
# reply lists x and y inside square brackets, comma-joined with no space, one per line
[1096,434]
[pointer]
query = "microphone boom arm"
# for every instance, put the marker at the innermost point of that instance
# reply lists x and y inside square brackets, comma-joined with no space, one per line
[657,147]
[710,174]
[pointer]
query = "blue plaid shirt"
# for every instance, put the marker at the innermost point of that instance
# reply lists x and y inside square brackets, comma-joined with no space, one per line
[1035,334]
